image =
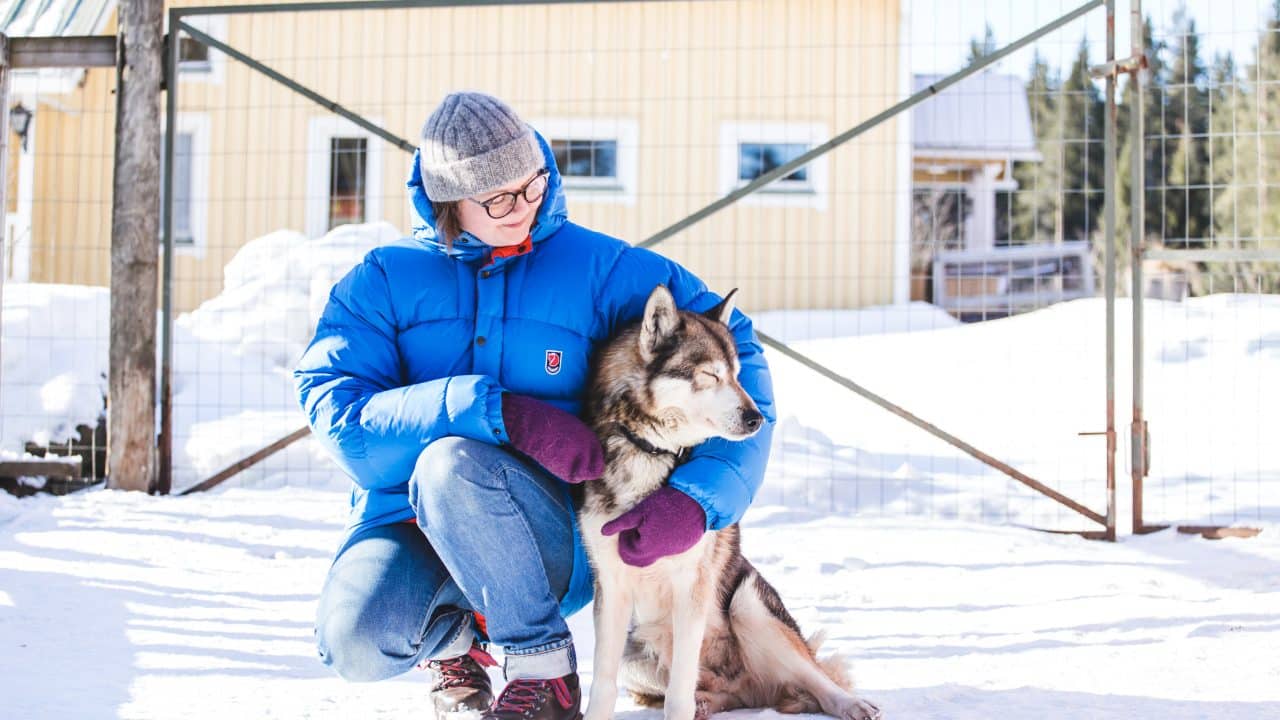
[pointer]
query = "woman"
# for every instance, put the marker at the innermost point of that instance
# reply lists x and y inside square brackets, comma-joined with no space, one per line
[445,377]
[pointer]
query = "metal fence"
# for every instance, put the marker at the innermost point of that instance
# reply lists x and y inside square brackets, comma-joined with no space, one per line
[923,251]
[1210,261]
[54,268]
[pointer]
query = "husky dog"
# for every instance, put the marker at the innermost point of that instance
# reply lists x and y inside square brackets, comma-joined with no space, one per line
[708,633]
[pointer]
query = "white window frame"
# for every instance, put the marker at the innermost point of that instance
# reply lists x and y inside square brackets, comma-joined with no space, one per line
[197,126]
[814,194]
[213,72]
[624,131]
[320,131]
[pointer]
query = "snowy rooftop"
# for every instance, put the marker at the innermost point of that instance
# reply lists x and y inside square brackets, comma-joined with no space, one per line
[55,17]
[986,113]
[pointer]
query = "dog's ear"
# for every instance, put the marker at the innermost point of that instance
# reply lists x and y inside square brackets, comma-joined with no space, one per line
[722,312]
[660,320]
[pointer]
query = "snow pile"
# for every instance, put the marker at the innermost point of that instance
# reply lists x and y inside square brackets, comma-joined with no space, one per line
[1023,389]
[53,362]
[790,326]
[275,287]
[233,355]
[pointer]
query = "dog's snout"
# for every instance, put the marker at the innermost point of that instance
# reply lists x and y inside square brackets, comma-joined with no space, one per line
[751,419]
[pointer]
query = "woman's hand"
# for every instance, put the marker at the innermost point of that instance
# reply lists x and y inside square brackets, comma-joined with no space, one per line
[668,522]
[561,443]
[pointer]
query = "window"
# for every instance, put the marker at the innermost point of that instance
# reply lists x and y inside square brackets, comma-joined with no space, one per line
[198,62]
[348,161]
[190,183]
[756,159]
[193,55]
[182,151]
[751,149]
[940,217]
[1004,218]
[597,157]
[587,160]
[344,174]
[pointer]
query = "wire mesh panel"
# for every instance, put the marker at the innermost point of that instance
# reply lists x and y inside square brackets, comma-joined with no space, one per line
[1212,215]
[880,259]
[55,268]
[993,331]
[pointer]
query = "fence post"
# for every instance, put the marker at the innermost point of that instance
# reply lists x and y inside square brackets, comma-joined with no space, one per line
[1137,219]
[131,420]
[1109,213]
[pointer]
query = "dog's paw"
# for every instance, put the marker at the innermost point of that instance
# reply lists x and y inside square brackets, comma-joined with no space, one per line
[680,711]
[595,711]
[857,708]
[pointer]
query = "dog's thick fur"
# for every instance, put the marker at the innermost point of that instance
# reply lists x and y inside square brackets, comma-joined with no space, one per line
[708,633]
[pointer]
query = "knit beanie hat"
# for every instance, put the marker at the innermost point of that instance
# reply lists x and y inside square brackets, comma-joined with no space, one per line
[473,143]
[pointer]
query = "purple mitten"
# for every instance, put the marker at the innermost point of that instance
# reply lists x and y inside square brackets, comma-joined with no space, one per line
[559,442]
[667,522]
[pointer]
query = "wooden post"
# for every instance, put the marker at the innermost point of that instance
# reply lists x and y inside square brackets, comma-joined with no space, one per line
[135,229]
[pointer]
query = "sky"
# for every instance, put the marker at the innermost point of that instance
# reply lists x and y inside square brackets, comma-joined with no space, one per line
[941,29]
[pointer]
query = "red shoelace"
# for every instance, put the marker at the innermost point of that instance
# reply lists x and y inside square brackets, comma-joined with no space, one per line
[521,696]
[454,671]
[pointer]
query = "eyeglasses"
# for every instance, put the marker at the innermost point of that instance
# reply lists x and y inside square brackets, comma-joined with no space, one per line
[501,205]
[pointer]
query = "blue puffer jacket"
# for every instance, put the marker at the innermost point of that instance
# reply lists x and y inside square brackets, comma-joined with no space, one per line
[396,361]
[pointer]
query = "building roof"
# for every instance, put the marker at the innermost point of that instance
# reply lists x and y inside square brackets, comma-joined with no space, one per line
[51,18]
[983,115]
[54,17]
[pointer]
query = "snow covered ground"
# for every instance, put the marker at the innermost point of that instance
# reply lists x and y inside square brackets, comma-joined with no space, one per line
[125,606]
[911,553]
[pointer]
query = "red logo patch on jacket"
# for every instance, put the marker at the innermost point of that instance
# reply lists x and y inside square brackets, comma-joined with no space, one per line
[553,362]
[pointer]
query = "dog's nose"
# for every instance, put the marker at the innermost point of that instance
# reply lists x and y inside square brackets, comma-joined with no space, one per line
[751,418]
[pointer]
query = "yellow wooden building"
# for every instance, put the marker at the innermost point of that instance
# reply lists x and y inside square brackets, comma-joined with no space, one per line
[655,109]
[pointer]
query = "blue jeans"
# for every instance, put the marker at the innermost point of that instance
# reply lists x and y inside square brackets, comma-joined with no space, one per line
[494,534]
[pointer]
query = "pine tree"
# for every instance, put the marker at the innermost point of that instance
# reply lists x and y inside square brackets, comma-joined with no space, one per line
[1224,103]
[1081,112]
[1155,168]
[978,49]
[1035,202]
[1186,202]
[1246,212]
[1267,119]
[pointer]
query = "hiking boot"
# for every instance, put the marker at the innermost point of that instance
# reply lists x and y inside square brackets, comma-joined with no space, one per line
[559,699]
[461,683]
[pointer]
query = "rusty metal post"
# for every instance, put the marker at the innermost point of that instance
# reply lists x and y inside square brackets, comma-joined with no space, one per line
[1109,223]
[1139,439]
[166,223]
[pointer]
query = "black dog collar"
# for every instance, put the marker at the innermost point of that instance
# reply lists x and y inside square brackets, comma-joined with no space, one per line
[647,446]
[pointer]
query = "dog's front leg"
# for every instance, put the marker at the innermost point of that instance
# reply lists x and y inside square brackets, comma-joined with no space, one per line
[612,617]
[690,605]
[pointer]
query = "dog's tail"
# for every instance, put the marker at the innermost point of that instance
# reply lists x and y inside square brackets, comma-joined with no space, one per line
[834,666]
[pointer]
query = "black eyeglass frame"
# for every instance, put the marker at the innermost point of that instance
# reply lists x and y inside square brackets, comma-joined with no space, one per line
[515,196]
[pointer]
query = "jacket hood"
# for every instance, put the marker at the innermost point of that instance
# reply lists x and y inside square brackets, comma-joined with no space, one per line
[552,213]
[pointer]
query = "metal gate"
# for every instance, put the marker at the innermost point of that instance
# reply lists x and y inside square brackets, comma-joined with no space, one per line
[705,209]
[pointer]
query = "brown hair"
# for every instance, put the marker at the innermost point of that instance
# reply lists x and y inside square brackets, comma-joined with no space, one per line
[448,222]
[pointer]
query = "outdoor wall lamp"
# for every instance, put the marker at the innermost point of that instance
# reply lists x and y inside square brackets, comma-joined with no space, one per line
[20,121]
